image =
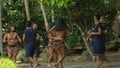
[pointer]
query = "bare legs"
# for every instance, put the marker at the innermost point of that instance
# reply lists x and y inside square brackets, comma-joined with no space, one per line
[50,57]
[61,56]
[104,58]
[12,55]
[33,62]
[9,55]
[99,60]
[60,52]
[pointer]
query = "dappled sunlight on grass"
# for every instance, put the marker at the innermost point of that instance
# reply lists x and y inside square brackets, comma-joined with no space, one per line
[7,63]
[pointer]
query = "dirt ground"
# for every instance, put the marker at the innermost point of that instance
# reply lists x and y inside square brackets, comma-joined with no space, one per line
[78,62]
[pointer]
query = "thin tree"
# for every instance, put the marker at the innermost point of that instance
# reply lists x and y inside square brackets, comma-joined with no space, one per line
[52,11]
[27,9]
[44,14]
[1,46]
[85,41]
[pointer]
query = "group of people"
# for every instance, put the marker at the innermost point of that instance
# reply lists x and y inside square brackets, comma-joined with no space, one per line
[56,34]
[30,39]
[97,34]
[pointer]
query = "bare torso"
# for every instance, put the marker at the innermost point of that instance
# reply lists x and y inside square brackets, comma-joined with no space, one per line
[51,36]
[60,35]
[11,39]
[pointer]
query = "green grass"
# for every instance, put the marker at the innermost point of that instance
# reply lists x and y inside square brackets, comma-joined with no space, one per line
[7,63]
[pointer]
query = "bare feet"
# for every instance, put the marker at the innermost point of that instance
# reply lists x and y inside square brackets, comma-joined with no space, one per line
[108,63]
[56,65]
[61,64]
[49,65]
[35,64]
[62,67]
[100,65]
[31,65]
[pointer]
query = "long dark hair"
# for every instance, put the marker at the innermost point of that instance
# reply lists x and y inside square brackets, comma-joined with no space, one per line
[61,24]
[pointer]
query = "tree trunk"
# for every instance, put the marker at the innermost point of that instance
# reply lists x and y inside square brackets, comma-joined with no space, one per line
[52,12]
[52,17]
[44,15]
[116,25]
[85,41]
[1,46]
[27,9]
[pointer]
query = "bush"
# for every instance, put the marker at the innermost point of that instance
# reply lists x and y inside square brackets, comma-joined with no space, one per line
[7,63]
[21,56]
[44,55]
[86,56]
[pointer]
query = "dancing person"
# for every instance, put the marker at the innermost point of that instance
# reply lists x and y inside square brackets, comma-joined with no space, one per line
[12,38]
[59,45]
[52,52]
[96,36]
[29,38]
[105,31]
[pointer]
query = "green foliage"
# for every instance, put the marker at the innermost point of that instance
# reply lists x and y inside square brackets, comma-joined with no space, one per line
[21,56]
[7,63]
[74,11]
[44,55]
[57,3]
[86,56]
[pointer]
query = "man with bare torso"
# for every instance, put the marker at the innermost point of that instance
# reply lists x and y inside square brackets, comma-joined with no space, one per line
[12,38]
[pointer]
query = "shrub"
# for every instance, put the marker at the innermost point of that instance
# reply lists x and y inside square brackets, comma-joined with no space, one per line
[86,56]
[21,56]
[7,63]
[44,55]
